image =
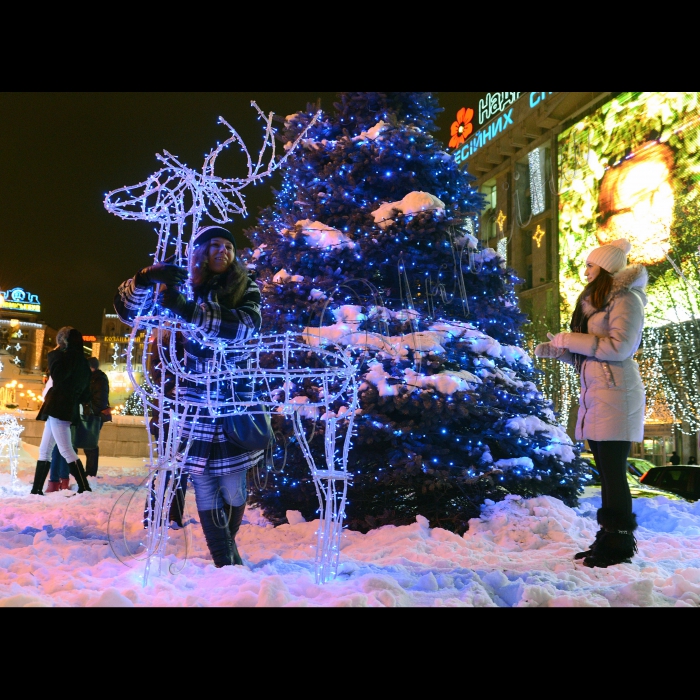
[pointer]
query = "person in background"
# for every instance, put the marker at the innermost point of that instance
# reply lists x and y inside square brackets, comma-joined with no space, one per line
[674,458]
[691,460]
[59,474]
[99,401]
[606,331]
[226,305]
[70,386]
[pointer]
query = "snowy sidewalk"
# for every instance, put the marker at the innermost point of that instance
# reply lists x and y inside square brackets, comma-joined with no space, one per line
[84,551]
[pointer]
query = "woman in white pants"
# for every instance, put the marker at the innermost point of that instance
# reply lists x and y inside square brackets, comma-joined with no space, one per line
[70,377]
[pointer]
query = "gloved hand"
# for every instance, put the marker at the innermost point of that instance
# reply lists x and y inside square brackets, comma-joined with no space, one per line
[548,350]
[171,299]
[560,340]
[172,275]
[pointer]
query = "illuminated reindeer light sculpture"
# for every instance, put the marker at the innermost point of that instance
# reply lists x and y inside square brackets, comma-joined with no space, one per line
[177,199]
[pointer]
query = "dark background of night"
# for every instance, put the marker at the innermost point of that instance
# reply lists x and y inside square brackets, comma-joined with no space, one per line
[61,152]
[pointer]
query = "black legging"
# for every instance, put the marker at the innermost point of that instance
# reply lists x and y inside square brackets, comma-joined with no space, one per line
[611,463]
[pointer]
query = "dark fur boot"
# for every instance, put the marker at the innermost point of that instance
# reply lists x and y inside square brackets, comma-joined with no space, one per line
[235,517]
[617,544]
[42,471]
[591,549]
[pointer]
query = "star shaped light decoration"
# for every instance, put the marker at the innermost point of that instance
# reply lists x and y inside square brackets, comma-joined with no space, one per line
[501,220]
[538,235]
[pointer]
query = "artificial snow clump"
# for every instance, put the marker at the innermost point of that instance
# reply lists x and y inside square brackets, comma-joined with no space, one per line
[350,314]
[412,203]
[318,235]
[488,254]
[523,462]
[374,133]
[445,382]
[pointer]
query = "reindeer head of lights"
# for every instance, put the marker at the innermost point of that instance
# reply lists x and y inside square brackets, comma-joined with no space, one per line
[178,198]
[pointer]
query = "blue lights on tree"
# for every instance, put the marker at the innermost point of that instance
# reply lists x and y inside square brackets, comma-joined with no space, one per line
[373,246]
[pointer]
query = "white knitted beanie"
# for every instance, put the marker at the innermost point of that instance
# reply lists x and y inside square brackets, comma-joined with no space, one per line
[611,257]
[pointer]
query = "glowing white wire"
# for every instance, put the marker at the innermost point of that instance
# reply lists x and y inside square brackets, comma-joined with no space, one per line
[10,431]
[178,198]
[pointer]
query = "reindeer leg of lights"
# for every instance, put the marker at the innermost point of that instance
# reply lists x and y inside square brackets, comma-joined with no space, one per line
[331,498]
[168,450]
[334,382]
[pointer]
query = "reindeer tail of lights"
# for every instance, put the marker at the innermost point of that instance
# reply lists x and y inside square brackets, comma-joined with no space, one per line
[10,431]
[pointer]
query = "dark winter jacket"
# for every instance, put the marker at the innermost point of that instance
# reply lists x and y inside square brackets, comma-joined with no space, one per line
[70,373]
[99,394]
[209,450]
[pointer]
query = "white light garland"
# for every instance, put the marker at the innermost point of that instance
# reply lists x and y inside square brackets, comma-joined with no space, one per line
[178,198]
[10,431]
[536,161]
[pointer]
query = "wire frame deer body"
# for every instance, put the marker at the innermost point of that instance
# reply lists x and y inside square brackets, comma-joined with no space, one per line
[10,431]
[178,198]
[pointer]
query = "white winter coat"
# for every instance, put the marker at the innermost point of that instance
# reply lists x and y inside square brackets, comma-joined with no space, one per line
[612,402]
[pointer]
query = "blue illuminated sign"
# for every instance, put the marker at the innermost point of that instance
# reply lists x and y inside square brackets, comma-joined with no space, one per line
[18,300]
[496,102]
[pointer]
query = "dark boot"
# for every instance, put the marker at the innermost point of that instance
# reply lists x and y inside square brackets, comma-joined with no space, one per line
[91,458]
[234,515]
[591,549]
[42,471]
[617,544]
[218,537]
[177,505]
[78,473]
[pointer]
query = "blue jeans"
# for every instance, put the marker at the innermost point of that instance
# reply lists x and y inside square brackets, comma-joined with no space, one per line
[210,492]
[59,466]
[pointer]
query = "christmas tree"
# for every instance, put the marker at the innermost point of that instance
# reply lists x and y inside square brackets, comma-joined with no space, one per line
[372,246]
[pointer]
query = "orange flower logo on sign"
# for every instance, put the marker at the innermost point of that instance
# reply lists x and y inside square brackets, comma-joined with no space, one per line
[461,128]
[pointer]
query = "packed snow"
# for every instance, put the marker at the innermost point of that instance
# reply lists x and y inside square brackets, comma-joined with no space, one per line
[66,549]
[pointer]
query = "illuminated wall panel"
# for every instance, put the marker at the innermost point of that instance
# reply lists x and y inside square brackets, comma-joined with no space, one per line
[632,169]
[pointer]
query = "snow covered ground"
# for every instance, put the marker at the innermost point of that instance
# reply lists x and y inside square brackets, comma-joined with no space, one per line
[83,551]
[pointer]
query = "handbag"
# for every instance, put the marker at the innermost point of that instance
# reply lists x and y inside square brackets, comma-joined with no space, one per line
[87,430]
[249,430]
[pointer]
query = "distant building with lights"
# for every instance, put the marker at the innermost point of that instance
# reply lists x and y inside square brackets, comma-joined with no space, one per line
[564,172]
[24,336]
[25,341]
[111,349]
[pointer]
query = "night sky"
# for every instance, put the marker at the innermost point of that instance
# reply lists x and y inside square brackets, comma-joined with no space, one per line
[61,152]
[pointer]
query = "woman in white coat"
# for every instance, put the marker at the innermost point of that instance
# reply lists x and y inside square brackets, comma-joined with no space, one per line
[606,331]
